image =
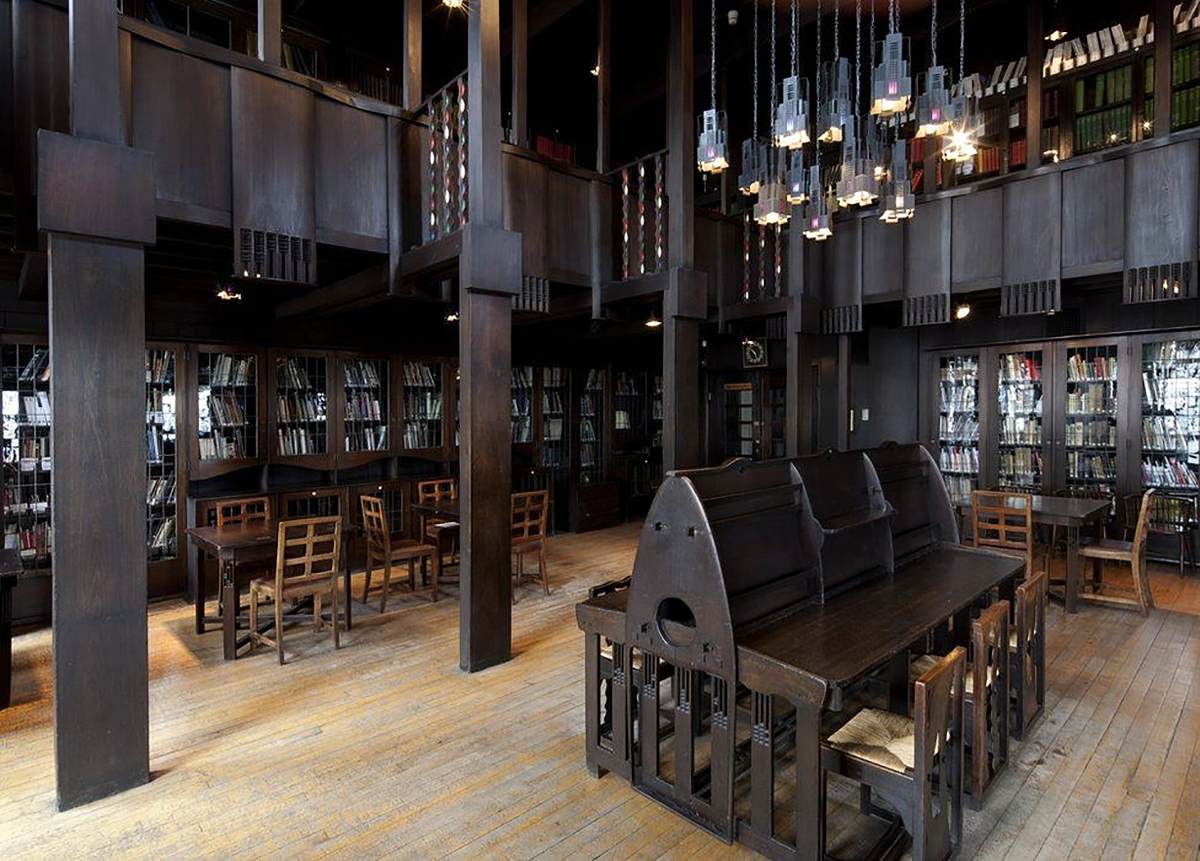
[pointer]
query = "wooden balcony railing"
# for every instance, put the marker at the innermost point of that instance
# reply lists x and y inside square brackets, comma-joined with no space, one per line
[763,255]
[642,186]
[445,188]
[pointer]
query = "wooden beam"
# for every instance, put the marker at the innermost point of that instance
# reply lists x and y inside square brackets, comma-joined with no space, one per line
[603,84]
[1035,52]
[413,46]
[357,289]
[95,100]
[681,392]
[681,184]
[270,32]
[485,176]
[520,72]
[1164,39]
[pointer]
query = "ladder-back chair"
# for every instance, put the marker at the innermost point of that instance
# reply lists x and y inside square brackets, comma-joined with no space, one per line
[1004,522]
[530,515]
[1027,652]
[443,531]
[248,509]
[384,549]
[1131,553]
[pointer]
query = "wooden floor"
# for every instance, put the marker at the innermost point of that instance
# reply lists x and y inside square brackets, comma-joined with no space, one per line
[385,748]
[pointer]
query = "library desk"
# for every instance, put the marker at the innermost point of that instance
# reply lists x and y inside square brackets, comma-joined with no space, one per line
[237,545]
[445,508]
[10,571]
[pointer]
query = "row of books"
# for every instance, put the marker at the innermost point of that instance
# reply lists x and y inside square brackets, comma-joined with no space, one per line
[587,405]
[292,373]
[1168,472]
[362,374]
[988,160]
[223,446]
[958,428]
[225,410]
[422,434]
[159,401]
[1025,399]
[1112,87]
[553,377]
[34,542]
[1021,430]
[34,447]
[625,385]
[35,408]
[1178,394]
[552,403]
[958,398]
[522,377]
[163,537]
[1080,368]
[160,366]
[965,369]
[1163,433]
[1100,466]
[522,429]
[1021,466]
[297,441]
[595,380]
[423,405]
[1185,107]
[37,367]
[1091,434]
[1022,367]
[959,458]
[1169,352]
[35,508]
[522,403]
[552,430]
[1103,128]
[301,407]
[160,490]
[227,369]
[367,439]
[1093,400]
[422,375]
[364,407]
[159,443]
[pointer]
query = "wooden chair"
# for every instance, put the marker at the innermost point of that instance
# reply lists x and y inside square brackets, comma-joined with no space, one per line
[442,530]
[383,550]
[529,518]
[986,714]
[1027,654]
[1004,522]
[1175,514]
[249,509]
[914,763]
[306,566]
[1131,553]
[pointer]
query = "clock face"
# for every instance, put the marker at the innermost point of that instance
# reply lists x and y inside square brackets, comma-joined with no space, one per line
[754,354]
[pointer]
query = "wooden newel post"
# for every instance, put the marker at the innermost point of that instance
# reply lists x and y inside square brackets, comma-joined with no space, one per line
[96,203]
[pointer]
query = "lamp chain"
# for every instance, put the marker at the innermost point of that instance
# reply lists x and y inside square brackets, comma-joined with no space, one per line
[713,52]
[754,79]
[962,39]
[933,34]
[774,95]
[795,40]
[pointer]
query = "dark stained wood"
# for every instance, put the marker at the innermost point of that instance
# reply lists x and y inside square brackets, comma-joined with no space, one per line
[927,253]
[10,570]
[189,137]
[413,33]
[1164,40]
[1161,188]
[483,113]
[270,31]
[1032,229]
[520,72]
[883,261]
[95,98]
[1093,219]
[352,179]
[681,188]
[603,84]
[355,291]
[976,243]
[1035,52]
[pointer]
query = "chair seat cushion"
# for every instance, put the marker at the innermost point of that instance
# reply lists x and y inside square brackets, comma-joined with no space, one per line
[879,737]
[408,548]
[1107,548]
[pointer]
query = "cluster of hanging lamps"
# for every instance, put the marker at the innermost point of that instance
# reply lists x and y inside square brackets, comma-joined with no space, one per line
[891,81]
[773,207]
[935,110]
[797,179]
[712,152]
[857,184]
[960,142]
[898,202]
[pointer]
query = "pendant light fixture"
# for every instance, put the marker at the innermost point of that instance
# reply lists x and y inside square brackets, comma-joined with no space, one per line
[857,184]
[750,179]
[898,200]
[773,206]
[961,143]
[797,179]
[791,117]
[833,106]
[934,109]
[818,224]
[712,153]
[891,81]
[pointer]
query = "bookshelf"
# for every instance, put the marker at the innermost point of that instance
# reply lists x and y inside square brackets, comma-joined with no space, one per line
[629,410]
[958,425]
[300,409]
[366,409]
[25,400]
[656,430]
[555,444]
[162,461]
[1103,109]
[1171,415]
[1020,416]
[739,419]
[591,427]
[522,404]
[1090,403]
[423,387]
[227,410]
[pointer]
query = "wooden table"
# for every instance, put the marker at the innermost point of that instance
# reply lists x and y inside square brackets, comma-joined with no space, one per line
[1074,514]
[233,546]
[10,571]
[810,657]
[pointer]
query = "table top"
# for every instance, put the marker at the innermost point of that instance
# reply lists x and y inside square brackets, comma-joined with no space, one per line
[445,508]
[1065,510]
[255,534]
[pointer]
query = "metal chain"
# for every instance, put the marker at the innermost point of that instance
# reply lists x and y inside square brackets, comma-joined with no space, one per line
[891,16]
[754,81]
[837,39]
[933,34]
[858,54]
[820,93]
[774,95]
[872,36]
[713,72]
[795,41]
[962,39]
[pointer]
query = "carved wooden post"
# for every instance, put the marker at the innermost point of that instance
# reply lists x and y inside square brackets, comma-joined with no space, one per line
[96,203]
[1035,53]
[1164,39]
[413,24]
[489,276]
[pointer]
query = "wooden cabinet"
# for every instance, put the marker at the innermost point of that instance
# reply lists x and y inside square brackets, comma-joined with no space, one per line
[227,389]
[167,417]
[423,385]
[366,398]
[303,409]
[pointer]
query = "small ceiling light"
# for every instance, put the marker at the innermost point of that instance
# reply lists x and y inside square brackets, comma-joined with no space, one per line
[652,322]
[962,312]
[772,207]
[1056,35]
[817,223]
[228,294]
[1051,155]
[791,114]
[454,4]
[451,316]
[753,148]
[891,82]
[596,71]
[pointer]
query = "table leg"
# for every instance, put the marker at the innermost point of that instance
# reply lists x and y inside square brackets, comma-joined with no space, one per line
[198,590]
[346,579]
[1074,570]
[229,610]
[898,683]
[810,821]
[5,644]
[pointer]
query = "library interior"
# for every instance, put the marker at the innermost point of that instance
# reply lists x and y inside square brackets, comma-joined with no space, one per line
[800,561]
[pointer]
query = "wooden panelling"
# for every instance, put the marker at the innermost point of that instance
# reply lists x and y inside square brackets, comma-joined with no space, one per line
[841,294]
[977,241]
[6,85]
[351,171]
[1161,194]
[1093,219]
[883,261]
[525,209]
[1033,230]
[273,133]
[569,231]
[188,136]
[927,265]
[719,255]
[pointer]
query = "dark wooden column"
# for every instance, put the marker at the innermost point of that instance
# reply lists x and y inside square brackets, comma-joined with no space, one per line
[413,33]
[681,184]
[1164,39]
[270,31]
[520,72]
[603,84]
[96,203]
[489,276]
[1035,52]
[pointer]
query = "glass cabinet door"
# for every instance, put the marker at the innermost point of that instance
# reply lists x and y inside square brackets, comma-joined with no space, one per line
[1171,415]
[1020,427]
[958,425]
[739,420]
[1090,403]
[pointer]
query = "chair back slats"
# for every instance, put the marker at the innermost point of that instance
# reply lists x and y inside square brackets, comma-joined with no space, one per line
[938,757]
[1030,621]
[375,527]
[308,549]
[1004,521]
[529,515]
[1171,513]
[249,509]
[1141,534]
[437,490]
[989,659]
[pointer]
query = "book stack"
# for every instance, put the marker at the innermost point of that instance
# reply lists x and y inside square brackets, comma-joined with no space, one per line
[522,404]
[160,490]
[230,370]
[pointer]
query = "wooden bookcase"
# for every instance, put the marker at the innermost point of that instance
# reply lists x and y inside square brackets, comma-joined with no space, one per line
[167,421]
[366,407]
[302,409]
[227,386]
[426,390]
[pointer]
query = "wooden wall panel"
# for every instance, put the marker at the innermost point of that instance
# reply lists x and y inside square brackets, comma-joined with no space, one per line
[977,242]
[883,261]
[525,212]
[351,171]
[569,231]
[1161,198]
[188,136]
[841,293]
[273,142]
[1093,219]
[1033,229]
[719,256]
[927,265]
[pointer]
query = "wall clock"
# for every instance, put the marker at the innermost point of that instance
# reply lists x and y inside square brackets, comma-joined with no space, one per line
[754,353]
